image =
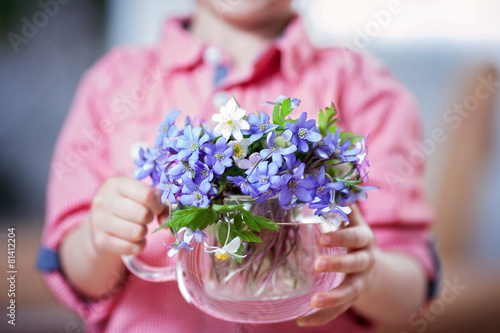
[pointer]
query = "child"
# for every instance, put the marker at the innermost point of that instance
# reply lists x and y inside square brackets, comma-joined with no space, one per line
[256,51]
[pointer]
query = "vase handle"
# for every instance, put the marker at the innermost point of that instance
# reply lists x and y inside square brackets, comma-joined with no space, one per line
[148,272]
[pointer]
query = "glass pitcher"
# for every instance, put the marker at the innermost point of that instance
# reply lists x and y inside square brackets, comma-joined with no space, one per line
[274,281]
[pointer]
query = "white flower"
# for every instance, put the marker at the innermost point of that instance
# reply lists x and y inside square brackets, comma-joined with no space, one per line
[240,148]
[227,250]
[230,120]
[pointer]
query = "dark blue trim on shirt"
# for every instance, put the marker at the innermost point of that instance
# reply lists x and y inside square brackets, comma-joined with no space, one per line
[221,72]
[434,284]
[48,260]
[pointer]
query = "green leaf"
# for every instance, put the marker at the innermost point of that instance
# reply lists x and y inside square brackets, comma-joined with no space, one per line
[256,222]
[248,236]
[352,182]
[238,222]
[222,234]
[210,219]
[249,220]
[286,108]
[322,122]
[276,114]
[265,223]
[192,217]
[226,208]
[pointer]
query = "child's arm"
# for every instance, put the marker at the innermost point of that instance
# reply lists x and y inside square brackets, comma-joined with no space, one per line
[384,287]
[115,225]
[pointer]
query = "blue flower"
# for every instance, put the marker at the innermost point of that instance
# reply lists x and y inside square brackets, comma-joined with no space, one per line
[281,98]
[174,248]
[259,125]
[194,195]
[342,151]
[198,235]
[190,142]
[168,124]
[147,164]
[278,147]
[167,128]
[243,184]
[264,176]
[324,192]
[303,131]
[325,147]
[219,155]
[296,185]
[202,172]
[180,169]
[169,189]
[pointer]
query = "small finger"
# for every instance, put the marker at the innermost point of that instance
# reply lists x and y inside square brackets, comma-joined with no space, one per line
[112,244]
[143,194]
[125,230]
[346,293]
[352,237]
[130,210]
[351,262]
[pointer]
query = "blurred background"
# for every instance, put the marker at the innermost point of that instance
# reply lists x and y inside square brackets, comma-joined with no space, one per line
[445,51]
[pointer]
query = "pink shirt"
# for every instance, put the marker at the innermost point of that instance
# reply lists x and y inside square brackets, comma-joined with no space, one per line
[125,95]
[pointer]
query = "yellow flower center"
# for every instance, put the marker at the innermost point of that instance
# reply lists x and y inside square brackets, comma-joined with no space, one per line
[223,256]
[238,151]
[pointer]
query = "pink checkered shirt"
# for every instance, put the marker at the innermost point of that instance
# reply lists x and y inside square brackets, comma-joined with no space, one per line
[124,96]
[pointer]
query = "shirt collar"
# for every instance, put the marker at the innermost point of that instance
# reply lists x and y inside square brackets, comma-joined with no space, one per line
[180,49]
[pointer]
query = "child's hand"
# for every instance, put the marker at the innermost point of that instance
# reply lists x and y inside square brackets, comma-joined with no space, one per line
[119,213]
[357,264]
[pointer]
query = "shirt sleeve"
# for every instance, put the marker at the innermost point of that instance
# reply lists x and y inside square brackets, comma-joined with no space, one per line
[80,165]
[375,103]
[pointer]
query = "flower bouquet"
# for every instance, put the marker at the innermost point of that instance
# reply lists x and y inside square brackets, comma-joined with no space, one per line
[255,193]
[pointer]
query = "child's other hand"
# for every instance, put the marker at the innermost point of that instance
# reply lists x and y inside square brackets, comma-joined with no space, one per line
[358,265]
[120,211]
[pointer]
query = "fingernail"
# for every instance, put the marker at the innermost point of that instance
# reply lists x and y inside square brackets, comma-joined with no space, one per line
[302,322]
[322,264]
[326,239]
[319,301]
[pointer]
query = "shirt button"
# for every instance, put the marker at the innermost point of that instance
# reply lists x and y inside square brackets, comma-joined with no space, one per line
[220,99]
[212,55]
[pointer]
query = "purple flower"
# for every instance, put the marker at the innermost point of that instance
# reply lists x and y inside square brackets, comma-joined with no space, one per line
[219,155]
[202,172]
[249,163]
[198,235]
[243,184]
[194,195]
[303,131]
[270,193]
[259,125]
[167,126]
[281,98]
[295,185]
[278,147]
[190,142]
[180,169]
[334,211]
[167,129]
[174,248]
[349,195]
[342,151]
[170,189]
[325,148]
[147,164]
[362,162]
[324,192]
[264,176]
